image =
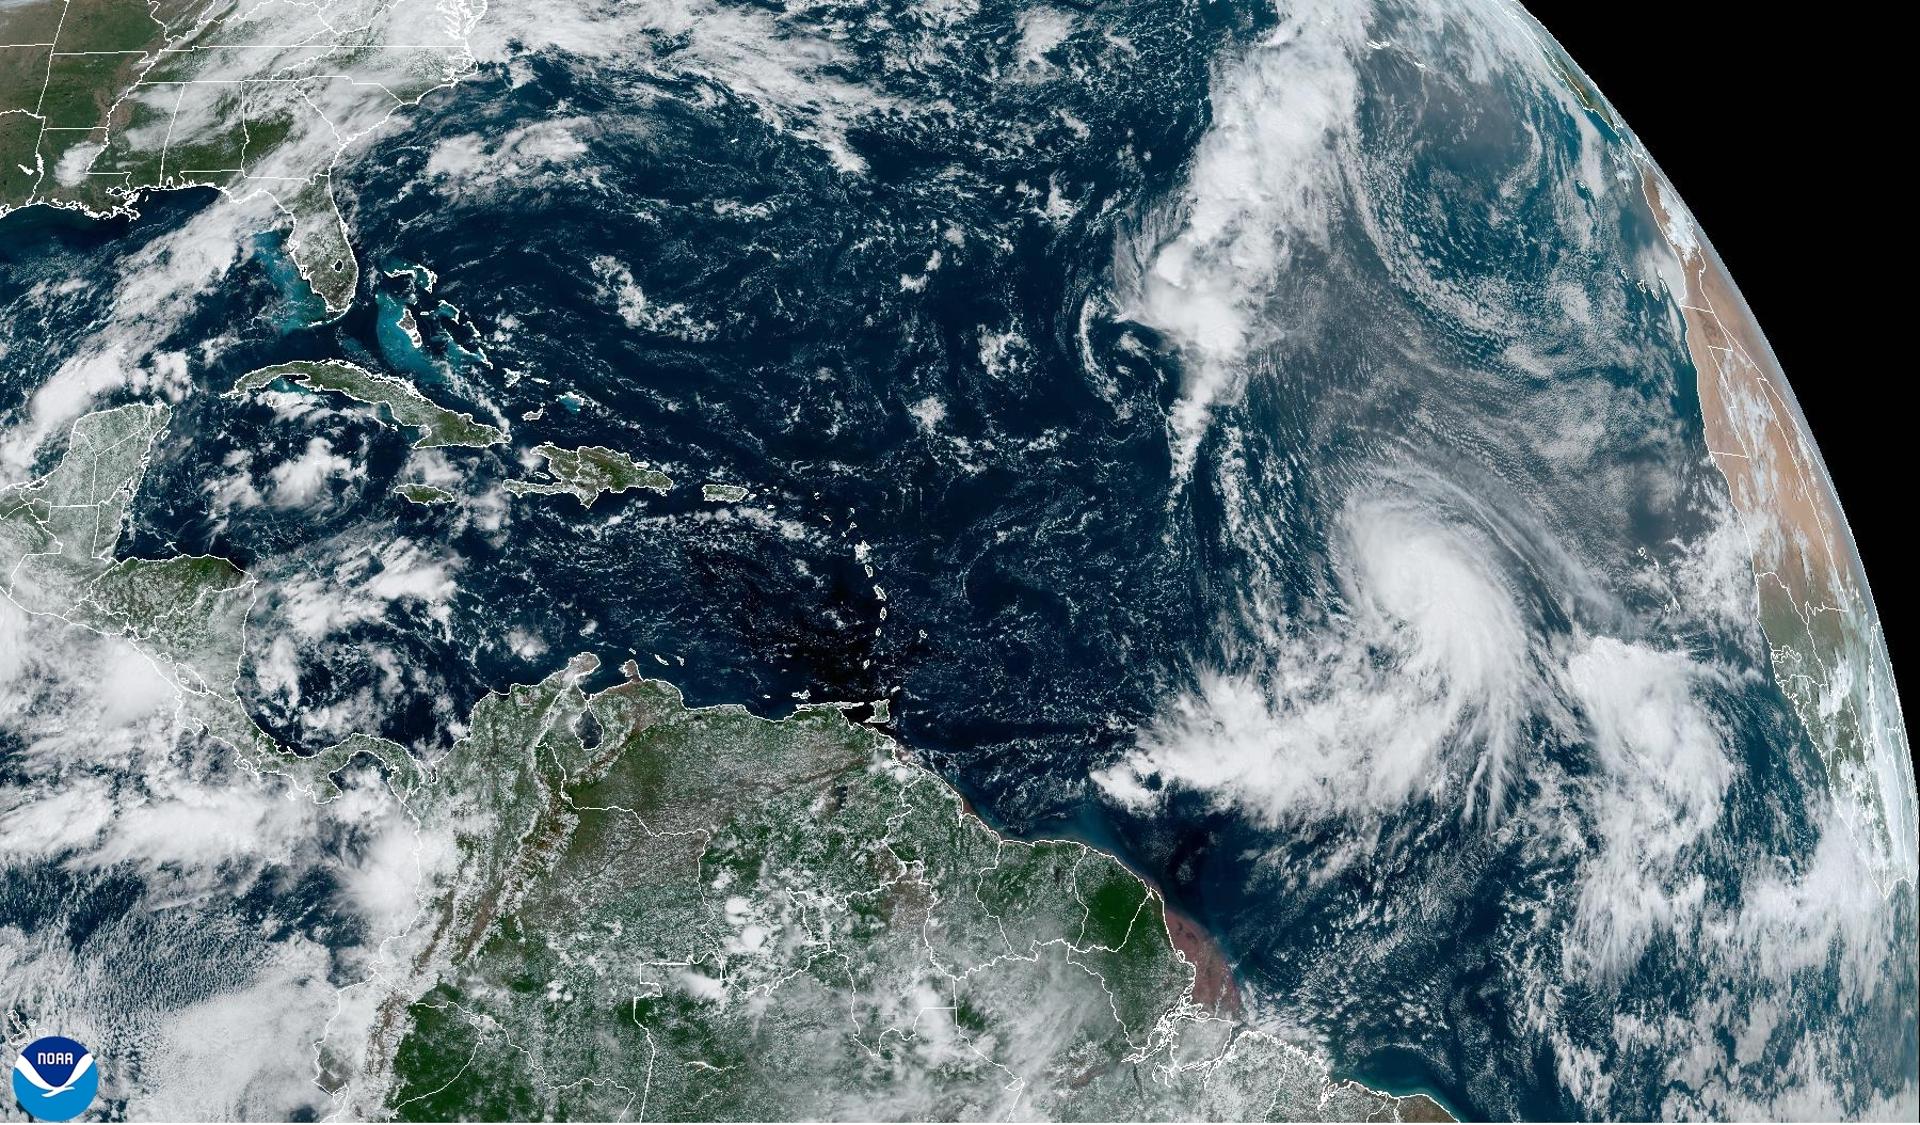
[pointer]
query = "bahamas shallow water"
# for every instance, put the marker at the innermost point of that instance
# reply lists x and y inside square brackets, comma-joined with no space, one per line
[1276,459]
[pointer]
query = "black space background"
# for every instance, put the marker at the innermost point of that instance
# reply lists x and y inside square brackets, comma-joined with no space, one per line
[1768,126]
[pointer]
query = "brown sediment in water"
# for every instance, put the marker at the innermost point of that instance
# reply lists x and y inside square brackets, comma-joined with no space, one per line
[1214,989]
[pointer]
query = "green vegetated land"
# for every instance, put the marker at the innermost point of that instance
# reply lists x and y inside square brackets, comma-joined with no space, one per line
[94,86]
[424,494]
[400,402]
[716,916]
[589,472]
[101,100]
[58,537]
[64,66]
[668,912]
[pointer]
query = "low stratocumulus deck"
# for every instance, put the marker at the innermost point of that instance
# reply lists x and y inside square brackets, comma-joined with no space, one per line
[716,560]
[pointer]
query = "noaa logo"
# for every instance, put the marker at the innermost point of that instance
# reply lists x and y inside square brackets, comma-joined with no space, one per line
[55,1079]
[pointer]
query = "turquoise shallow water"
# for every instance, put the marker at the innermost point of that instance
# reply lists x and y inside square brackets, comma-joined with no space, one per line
[1277,458]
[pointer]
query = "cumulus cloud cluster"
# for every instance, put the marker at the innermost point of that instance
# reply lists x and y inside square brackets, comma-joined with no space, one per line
[1428,660]
[213,1013]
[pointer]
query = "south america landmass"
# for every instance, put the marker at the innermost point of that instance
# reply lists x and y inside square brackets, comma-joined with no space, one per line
[627,907]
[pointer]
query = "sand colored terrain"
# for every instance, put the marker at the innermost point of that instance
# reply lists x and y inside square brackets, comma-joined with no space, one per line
[1823,633]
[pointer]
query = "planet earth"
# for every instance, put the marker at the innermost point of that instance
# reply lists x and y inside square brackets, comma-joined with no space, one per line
[767,559]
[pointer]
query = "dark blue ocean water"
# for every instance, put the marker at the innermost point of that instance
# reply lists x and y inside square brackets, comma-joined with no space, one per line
[1048,584]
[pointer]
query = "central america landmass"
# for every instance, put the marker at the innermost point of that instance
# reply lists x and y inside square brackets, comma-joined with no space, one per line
[645,909]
